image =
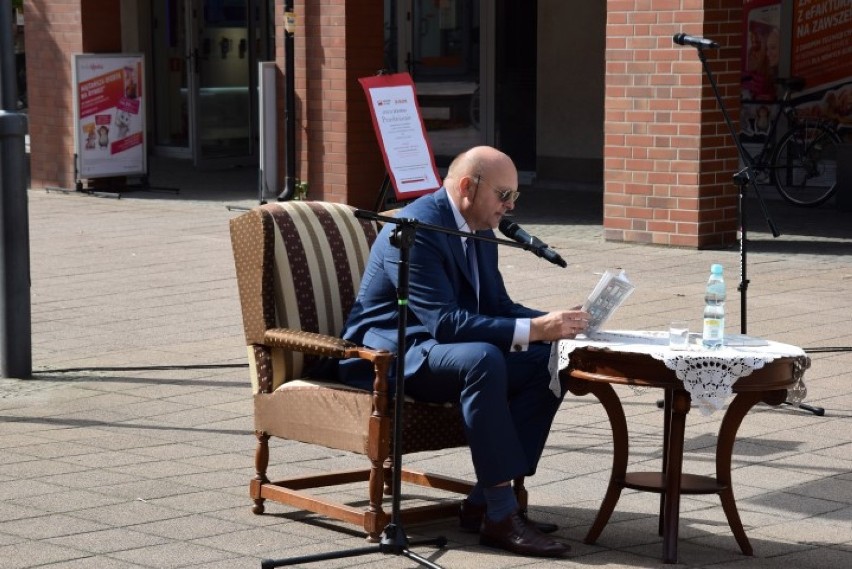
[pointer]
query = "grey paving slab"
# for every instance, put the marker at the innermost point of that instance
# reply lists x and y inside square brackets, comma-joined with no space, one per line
[32,553]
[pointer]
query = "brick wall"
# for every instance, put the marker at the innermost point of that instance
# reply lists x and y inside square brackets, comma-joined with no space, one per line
[335,44]
[668,156]
[54,31]
[53,34]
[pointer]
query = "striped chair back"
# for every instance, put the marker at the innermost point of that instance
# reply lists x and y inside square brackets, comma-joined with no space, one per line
[311,256]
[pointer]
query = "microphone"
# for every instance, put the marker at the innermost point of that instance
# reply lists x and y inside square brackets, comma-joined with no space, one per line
[700,43]
[514,232]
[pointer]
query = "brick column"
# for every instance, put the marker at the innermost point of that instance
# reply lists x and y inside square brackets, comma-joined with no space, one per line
[337,42]
[668,156]
[53,33]
[56,29]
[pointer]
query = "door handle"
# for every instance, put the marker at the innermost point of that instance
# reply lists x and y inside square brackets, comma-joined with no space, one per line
[192,58]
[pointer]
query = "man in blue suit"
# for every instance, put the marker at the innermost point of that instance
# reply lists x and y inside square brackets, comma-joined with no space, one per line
[468,342]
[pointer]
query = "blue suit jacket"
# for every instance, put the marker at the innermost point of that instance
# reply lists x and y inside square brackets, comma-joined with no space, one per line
[442,303]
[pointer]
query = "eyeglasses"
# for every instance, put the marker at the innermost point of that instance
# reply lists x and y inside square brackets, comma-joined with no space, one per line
[505,195]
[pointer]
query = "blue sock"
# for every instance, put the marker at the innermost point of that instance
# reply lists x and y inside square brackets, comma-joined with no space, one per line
[501,502]
[477,495]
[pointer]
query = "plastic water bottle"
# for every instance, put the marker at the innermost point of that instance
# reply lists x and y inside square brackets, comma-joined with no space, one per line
[714,309]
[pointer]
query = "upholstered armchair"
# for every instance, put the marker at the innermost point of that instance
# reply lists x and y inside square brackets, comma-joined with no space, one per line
[299,266]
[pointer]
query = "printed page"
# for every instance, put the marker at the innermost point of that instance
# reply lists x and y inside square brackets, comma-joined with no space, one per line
[613,288]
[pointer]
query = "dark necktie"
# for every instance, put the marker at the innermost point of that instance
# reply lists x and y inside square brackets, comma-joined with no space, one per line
[470,253]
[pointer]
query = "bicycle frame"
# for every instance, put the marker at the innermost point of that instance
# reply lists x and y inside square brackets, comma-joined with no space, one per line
[762,160]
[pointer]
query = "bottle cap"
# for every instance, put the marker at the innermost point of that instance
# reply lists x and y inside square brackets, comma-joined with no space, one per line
[716,269]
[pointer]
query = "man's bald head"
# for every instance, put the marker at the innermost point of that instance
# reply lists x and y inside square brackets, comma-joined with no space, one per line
[478,161]
[475,181]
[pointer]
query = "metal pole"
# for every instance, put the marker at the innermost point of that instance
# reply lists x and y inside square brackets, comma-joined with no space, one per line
[15,317]
[8,83]
[289,104]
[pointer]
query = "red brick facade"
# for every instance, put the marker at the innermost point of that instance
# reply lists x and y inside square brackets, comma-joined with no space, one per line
[56,29]
[668,155]
[337,42]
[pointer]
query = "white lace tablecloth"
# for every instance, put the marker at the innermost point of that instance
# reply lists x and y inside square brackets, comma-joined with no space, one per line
[706,374]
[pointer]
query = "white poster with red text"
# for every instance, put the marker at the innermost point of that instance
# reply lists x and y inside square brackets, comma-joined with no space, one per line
[402,135]
[109,115]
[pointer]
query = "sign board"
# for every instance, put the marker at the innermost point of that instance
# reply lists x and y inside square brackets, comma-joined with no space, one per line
[109,115]
[822,42]
[267,72]
[402,135]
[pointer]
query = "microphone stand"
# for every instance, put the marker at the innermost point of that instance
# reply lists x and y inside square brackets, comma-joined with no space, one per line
[393,539]
[745,177]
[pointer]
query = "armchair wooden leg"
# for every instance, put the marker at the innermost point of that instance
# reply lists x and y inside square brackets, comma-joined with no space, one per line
[387,476]
[375,519]
[261,462]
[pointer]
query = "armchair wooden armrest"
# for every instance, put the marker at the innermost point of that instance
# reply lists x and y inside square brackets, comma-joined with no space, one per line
[309,343]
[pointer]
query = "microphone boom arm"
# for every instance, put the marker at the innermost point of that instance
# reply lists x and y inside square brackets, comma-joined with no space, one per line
[364,214]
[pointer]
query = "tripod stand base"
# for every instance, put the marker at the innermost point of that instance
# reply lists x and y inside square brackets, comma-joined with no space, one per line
[398,546]
[818,411]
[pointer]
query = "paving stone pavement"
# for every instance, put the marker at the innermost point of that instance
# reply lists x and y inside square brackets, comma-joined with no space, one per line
[131,445]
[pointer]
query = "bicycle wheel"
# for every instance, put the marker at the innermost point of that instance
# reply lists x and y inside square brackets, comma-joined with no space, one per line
[804,164]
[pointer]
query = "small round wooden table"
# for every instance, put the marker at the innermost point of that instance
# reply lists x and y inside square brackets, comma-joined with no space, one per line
[595,371]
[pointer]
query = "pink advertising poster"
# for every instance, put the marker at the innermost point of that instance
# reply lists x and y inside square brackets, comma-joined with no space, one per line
[109,115]
[822,42]
[822,55]
[816,35]
[763,40]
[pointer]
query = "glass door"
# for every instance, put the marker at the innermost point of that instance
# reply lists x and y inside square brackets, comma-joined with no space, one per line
[205,55]
[170,51]
[438,43]
[222,54]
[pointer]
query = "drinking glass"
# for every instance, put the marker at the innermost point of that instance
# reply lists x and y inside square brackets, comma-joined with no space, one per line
[678,335]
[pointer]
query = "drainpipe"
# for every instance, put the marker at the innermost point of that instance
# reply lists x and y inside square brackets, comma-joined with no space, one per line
[289,104]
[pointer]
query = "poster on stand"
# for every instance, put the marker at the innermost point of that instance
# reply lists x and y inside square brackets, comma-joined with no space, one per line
[402,135]
[109,115]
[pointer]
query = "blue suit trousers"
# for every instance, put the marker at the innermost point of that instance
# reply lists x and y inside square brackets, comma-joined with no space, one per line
[506,403]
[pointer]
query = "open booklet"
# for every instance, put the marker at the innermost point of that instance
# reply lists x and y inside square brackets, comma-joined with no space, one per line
[613,288]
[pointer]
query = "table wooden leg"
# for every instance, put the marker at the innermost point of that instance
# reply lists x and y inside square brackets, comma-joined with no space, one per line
[620,451]
[737,410]
[667,426]
[674,469]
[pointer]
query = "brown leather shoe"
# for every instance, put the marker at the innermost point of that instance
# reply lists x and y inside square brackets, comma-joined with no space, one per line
[516,534]
[470,518]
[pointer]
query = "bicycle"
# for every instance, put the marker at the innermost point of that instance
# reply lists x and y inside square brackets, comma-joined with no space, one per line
[803,164]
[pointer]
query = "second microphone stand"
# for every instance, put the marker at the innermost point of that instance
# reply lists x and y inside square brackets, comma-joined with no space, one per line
[394,539]
[744,178]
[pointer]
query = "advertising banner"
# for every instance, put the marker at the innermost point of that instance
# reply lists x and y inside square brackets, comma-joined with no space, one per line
[822,42]
[402,135]
[822,55]
[109,115]
[818,39]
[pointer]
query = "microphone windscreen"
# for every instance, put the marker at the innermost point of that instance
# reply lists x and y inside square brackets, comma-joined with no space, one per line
[508,227]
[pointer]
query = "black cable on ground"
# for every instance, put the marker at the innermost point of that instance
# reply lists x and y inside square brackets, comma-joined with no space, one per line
[145,368]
